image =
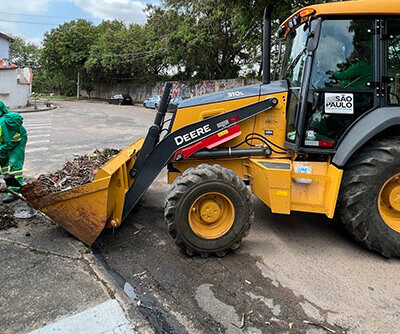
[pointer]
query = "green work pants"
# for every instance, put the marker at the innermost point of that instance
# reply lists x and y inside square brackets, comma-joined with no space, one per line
[13,162]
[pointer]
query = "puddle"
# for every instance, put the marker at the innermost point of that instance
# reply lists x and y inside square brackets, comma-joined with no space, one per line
[155,315]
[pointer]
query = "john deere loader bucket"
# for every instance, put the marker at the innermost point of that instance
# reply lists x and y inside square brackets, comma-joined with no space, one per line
[85,211]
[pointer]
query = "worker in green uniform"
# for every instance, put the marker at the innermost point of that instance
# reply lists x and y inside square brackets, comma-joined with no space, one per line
[356,76]
[13,138]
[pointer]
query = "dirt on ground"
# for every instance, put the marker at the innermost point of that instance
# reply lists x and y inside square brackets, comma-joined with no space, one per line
[7,219]
[80,171]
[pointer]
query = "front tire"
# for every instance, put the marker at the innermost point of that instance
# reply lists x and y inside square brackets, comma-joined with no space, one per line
[367,199]
[208,210]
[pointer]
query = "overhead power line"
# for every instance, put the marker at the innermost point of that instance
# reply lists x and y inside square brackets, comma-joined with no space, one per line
[48,16]
[26,22]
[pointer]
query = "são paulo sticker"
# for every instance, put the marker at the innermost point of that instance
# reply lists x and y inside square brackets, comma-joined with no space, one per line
[336,103]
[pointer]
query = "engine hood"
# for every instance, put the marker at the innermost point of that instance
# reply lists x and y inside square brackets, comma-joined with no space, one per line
[236,93]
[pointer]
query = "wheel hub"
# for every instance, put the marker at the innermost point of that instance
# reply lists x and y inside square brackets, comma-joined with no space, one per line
[391,195]
[211,215]
[389,203]
[210,211]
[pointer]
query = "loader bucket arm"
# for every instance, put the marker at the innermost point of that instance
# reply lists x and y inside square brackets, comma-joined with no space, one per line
[146,171]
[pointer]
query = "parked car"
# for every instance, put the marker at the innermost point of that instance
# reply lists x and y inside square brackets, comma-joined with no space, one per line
[173,103]
[120,99]
[151,102]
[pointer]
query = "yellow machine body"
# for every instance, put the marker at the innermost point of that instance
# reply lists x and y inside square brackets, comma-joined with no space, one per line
[285,182]
[273,179]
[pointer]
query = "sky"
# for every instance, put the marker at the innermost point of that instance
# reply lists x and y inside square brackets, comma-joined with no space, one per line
[30,19]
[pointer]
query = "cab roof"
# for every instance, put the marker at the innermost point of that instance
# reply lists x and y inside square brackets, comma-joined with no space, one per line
[360,7]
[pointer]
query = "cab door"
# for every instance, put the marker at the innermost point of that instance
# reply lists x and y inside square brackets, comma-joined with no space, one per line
[342,86]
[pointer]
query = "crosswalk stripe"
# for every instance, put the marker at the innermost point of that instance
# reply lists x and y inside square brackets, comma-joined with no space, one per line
[38,142]
[37,136]
[37,149]
[34,132]
[41,122]
[41,128]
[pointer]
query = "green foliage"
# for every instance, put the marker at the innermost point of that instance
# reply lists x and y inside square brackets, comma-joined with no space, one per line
[182,39]
[121,52]
[215,39]
[65,51]
[24,54]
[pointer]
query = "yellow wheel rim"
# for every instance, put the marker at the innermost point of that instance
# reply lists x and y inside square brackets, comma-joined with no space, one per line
[211,215]
[389,203]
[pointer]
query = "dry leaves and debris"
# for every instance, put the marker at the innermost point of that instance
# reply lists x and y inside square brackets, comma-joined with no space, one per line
[80,171]
[7,219]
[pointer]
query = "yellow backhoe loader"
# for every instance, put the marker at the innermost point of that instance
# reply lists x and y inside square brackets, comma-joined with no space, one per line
[323,138]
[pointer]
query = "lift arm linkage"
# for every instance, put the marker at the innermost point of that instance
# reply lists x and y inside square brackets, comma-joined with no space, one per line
[163,152]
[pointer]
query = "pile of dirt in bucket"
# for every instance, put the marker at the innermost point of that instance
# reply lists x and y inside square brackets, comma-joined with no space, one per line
[7,219]
[80,171]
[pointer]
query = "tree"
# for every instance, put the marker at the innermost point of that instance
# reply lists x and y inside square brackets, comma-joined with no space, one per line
[182,40]
[65,51]
[201,38]
[25,54]
[215,39]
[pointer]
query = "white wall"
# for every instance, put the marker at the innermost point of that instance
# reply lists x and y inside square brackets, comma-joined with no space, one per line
[13,94]
[4,48]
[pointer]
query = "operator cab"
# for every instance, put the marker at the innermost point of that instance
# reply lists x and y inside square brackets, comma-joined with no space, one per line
[338,68]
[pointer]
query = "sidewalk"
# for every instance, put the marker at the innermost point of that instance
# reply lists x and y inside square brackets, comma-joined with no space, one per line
[51,283]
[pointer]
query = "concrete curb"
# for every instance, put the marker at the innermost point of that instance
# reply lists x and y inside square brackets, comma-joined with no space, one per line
[26,111]
[116,292]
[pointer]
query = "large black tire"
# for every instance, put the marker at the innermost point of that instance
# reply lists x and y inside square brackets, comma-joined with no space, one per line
[364,176]
[194,183]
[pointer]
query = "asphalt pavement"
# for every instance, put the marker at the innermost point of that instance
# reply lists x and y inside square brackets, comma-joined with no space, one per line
[293,274]
[55,136]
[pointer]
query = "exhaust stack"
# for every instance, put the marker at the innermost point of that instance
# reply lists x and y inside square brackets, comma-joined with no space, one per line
[266,77]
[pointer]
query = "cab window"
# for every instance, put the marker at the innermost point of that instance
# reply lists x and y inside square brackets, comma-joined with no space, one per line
[292,71]
[340,89]
[393,61]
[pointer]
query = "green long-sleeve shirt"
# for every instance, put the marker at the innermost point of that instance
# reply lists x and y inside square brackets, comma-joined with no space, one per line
[356,76]
[11,132]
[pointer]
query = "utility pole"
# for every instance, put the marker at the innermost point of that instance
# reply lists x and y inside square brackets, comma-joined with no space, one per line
[78,86]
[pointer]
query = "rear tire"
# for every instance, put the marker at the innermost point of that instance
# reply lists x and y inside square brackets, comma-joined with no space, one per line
[187,201]
[365,176]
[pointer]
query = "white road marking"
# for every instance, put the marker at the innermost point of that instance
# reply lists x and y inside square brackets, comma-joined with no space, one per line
[37,149]
[42,122]
[37,133]
[38,127]
[38,142]
[105,318]
[37,136]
